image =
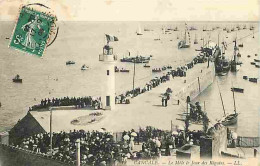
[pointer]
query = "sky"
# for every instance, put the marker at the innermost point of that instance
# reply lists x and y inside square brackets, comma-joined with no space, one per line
[141,10]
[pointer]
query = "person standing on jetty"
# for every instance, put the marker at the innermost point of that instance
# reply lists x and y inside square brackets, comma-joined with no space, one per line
[163,101]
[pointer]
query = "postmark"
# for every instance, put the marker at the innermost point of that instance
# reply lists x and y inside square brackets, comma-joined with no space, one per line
[33,31]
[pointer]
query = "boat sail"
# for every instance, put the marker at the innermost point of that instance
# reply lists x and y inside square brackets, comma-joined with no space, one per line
[139,30]
[195,40]
[185,43]
[234,66]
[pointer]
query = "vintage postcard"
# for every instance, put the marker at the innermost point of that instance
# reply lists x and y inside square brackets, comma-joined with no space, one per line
[129,82]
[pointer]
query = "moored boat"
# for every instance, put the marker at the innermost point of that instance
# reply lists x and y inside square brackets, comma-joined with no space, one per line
[17,79]
[230,119]
[237,90]
[70,63]
[147,65]
[253,80]
[84,67]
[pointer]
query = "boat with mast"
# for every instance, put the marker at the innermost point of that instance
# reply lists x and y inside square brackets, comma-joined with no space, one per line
[185,42]
[234,66]
[139,30]
[230,119]
[195,40]
[222,64]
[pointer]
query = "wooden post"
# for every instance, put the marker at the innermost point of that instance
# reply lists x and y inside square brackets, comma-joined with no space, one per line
[77,152]
[199,83]
[134,79]
[171,126]
[50,130]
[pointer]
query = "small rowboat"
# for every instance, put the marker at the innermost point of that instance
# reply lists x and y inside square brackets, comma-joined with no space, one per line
[245,77]
[156,70]
[230,119]
[147,65]
[17,79]
[237,90]
[253,80]
[124,70]
[70,63]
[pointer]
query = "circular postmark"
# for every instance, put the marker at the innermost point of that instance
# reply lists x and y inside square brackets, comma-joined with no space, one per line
[54,28]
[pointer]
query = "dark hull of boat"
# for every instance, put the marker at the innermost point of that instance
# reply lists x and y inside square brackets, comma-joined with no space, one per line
[237,90]
[230,120]
[256,60]
[124,71]
[17,80]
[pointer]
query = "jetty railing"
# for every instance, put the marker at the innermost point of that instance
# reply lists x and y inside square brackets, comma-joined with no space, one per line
[248,142]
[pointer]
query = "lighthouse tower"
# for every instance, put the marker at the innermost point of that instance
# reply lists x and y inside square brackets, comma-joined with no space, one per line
[108,77]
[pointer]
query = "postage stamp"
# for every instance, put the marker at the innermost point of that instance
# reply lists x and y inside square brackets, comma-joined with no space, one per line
[32,31]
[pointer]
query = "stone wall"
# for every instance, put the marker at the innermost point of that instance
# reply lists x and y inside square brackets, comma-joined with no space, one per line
[198,85]
[11,156]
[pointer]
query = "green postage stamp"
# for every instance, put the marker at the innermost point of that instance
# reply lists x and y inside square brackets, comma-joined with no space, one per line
[32,31]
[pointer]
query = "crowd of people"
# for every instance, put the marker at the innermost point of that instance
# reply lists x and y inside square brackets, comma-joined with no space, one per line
[196,114]
[99,147]
[178,72]
[79,102]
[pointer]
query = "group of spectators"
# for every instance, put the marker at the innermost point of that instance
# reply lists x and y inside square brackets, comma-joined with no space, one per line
[79,102]
[101,148]
[196,114]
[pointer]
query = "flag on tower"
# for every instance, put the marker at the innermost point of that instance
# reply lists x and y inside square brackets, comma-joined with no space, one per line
[111,38]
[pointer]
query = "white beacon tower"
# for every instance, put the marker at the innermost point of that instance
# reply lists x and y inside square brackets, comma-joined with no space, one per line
[108,78]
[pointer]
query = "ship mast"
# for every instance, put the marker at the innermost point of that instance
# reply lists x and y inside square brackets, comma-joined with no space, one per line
[234,99]
[221,100]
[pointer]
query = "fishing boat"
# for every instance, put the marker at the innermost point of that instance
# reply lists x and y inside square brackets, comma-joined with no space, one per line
[245,77]
[257,60]
[176,29]
[222,64]
[185,43]
[156,70]
[241,45]
[147,65]
[230,119]
[124,70]
[139,31]
[257,66]
[195,40]
[253,80]
[237,90]
[234,67]
[252,63]
[70,63]
[137,59]
[84,67]
[192,28]
[17,79]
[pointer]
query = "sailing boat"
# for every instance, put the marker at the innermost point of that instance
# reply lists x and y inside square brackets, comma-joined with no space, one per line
[184,43]
[234,66]
[228,119]
[175,29]
[195,40]
[139,30]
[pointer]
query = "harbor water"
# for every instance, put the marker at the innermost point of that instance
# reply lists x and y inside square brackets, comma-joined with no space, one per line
[82,42]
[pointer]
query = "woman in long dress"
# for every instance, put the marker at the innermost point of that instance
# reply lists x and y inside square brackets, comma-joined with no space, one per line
[31,27]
